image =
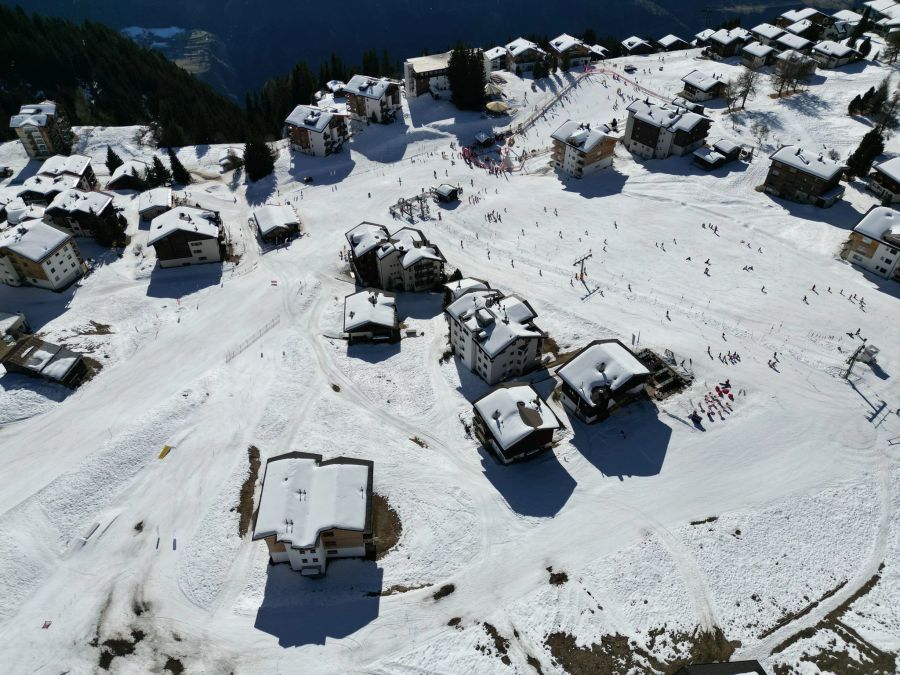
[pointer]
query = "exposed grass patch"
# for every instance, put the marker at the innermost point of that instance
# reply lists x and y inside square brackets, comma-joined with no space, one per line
[446,356]
[549,346]
[455,621]
[174,665]
[93,368]
[534,663]
[245,501]
[95,328]
[335,387]
[114,647]
[793,616]
[418,441]
[444,591]
[397,589]
[386,526]
[139,527]
[711,519]
[557,578]
[501,644]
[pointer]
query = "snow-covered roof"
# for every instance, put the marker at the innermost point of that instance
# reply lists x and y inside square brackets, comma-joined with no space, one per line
[879,5]
[370,87]
[758,49]
[370,306]
[704,34]
[495,321]
[43,358]
[72,201]
[310,117]
[799,27]
[701,81]
[794,15]
[563,43]
[815,164]
[890,168]
[128,168]
[793,55]
[494,53]
[366,237]
[462,286]
[9,322]
[60,164]
[445,189]
[725,146]
[18,211]
[273,216]
[34,240]
[708,155]
[767,30]
[412,246]
[160,197]
[726,37]
[581,136]
[521,45]
[634,42]
[880,221]
[600,50]
[847,16]
[792,41]
[669,40]
[303,496]
[44,185]
[33,115]
[601,365]
[671,118]
[832,48]
[430,63]
[335,86]
[512,412]
[183,219]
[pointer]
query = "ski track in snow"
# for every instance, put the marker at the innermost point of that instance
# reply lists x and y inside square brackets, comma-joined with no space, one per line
[802,484]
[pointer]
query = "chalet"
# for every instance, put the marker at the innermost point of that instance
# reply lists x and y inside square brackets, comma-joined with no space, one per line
[690,106]
[446,193]
[884,180]
[14,325]
[701,39]
[42,189]
[372,99]
[427,74]
[756,55]
[672,43]
[700,86]
[316,131]
[313,510]
[600,379]
[724,43]
[793,56]
[805,29]
[513,422]
[37,254]
[598,52]
[657,131]
[41,129]
[874,243]
[73,165]
[275,223]
[79,212]
[566,46]
[494,335]
[454,290]
[155,202]
[402,261]
[17,211]
[371,316]
[845,21]
[580,150]
[495,59]
[804,177]
[128,176]
[33,357]
[635,46]
[789,41]
[830,54]
[522,55]
[807,21]
[766,33]
[187,236]
[721,152]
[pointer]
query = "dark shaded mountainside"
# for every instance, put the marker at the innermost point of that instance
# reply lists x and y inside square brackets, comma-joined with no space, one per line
[254,40]
[103,78]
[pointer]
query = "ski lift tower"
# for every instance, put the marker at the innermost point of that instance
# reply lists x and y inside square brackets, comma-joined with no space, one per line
[580,261]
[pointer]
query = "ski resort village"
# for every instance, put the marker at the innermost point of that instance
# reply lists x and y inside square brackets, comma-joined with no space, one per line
[597,377]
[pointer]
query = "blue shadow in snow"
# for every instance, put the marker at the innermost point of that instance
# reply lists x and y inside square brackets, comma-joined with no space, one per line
[176,282]
[301,611]
[538,487]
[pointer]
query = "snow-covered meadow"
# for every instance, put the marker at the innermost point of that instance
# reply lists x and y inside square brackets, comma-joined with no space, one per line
[759,526]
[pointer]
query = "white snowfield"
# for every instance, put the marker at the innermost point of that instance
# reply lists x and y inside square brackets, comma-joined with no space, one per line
[794,494]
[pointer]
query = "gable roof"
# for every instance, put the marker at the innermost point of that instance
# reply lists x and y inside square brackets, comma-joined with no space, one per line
[512,412]
[634,42]
[835,49]
[890,168]
[791,41]
[369,306]
[366,237]
[310,117]
[671,118]
[79,201]
[878,222]
[799,26]
[494,53]
[43,358]
[57,165]
[156,198]
[34,240]
[565,42]
[669,40]
[303,496]
[274,216]
[701,80]
[494,320]
[198,222]
[603,364]
[411,245]
[758,49]
[521,45]
[767,31]
[370,87]
[581,136]
[794,15]
[33,115]
[817,165]
[128,168]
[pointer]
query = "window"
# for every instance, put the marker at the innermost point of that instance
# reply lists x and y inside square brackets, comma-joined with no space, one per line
[304,560]
[332,551]
[315,560]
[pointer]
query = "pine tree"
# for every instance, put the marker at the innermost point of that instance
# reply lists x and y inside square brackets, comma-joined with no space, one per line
[179,174]
[113,161]
[465,73]
[871,145]
[865,47]
[878,98]
[259,160]
[855,106]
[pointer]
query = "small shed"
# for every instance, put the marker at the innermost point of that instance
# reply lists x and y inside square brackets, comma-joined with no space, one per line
[371,316]
[275,223]
[33,357]
[446,192]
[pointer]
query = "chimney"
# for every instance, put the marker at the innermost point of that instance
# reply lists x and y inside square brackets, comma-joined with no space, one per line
[373,298]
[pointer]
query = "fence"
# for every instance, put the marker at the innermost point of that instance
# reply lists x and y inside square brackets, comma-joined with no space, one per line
[250,340]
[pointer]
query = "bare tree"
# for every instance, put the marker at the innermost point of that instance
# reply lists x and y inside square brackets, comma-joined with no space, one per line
[729,94]
[891,50]
[760,132]
[745,85]
[886,116]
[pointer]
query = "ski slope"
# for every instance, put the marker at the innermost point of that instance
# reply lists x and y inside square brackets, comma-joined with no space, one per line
[800,481]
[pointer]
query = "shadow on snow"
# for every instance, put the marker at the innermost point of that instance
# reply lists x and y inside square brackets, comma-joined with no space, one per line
[538,487]
[176,282]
